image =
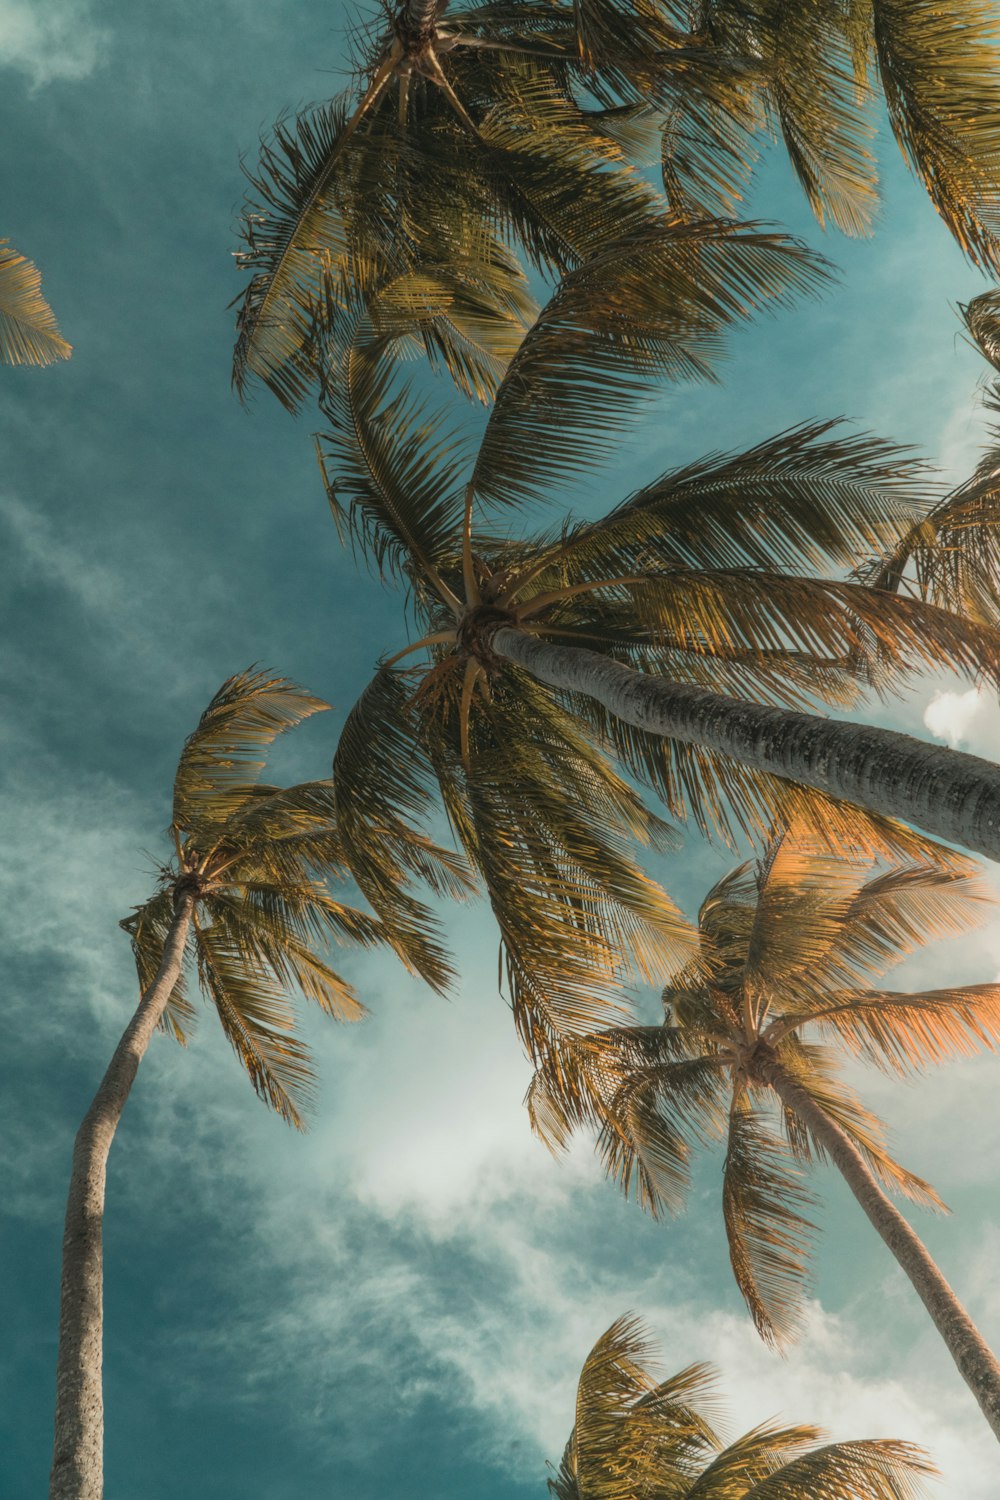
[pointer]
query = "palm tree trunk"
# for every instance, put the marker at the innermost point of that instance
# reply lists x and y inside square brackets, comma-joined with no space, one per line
[972,1355]
[78,1458]
[947,793]
[419,18]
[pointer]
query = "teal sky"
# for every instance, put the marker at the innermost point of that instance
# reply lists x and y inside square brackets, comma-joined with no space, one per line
[398,1303]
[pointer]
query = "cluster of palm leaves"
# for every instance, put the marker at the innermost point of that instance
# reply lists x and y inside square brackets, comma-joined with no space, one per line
[687,646]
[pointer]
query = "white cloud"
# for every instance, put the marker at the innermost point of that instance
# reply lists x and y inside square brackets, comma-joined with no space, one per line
[956,717]
[57,39]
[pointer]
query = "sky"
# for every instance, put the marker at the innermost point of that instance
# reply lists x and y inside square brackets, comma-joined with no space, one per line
[400,1301]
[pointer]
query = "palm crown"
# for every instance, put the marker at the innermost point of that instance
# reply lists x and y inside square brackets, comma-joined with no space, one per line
[636,1436]
[257,860]
[789,952]
[721,574]
[528,123]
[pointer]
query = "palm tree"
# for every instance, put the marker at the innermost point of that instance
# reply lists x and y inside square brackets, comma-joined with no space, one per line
[246,892]
[782,986]
[635,1436]
[520,121]
[714,588]
[28,331]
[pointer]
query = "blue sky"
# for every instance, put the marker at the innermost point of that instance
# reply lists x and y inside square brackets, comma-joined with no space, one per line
[400,1301]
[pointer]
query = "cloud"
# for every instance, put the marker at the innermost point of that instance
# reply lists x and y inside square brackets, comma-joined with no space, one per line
[59,40]
[958,717]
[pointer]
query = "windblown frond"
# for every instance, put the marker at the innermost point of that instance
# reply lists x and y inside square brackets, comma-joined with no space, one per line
[652,305]
[221,760]
[769,1237]
[147,926]
[28,331]
[939,63]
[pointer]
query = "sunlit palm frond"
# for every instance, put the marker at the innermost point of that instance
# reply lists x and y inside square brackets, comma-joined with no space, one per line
[814,1069]
[826,121]
[221,760]
[282,930]
[938,64]
[770,1239]
[907,1033]
[657,304]
[29,334]
[872,1469]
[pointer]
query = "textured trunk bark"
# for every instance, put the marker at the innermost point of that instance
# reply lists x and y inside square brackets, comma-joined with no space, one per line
[947,793]
[420,17]
[78,1458]
[973,1357]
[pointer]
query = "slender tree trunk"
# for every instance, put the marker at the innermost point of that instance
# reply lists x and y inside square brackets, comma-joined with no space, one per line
[972,1355]
[78,1458]
[947,793]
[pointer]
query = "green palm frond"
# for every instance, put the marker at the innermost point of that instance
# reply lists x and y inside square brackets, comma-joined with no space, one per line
[804,499]
[653,305]
[938,64]
[770,1238]
[28,331]
[392,466]
[221,760]
[257,1019]
[382,785]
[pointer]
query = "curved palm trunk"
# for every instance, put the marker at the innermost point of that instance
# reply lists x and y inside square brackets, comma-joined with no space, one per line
[78,1461]
[947,793]
[972,1355]
[420,17]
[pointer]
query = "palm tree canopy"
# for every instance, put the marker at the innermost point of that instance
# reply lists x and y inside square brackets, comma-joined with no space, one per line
[722,574]
[28,331]
[521,122]
[791,957]
[259,859]
[635,1436]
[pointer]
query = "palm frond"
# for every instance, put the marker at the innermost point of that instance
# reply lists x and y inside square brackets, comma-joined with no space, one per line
[907,1033]
[938,64]
[256,1017]
[221,761]
[769,1236]
[382,782]
[873,1469]
[392,466]
[653,305]
[29,334]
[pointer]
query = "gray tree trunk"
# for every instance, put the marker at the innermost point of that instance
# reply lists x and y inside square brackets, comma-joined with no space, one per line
[973,1357]
[420,17]
[948,794]
[78,1457]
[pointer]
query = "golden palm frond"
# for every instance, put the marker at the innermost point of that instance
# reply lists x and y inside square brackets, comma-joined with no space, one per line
[938,65]
[633,1437]
[28,331]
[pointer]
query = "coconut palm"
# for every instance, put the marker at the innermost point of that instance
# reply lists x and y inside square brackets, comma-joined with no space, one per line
[28,331]
[636,1436]
[245,897]
[715,586]
[785,984]
[527,122]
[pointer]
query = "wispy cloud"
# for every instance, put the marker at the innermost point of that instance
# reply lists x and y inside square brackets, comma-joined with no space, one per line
[57,40]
